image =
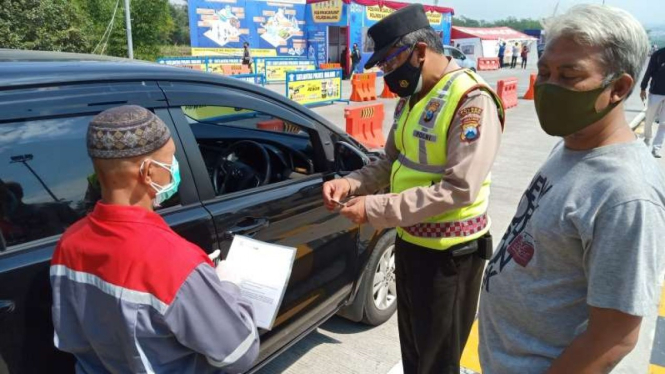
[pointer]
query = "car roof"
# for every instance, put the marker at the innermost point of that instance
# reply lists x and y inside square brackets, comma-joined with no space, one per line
[20,68]
[34,69]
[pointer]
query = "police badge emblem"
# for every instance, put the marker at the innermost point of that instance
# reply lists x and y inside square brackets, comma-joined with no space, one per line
[470,131]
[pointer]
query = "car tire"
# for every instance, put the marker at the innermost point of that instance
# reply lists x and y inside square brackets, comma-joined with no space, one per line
[381,293]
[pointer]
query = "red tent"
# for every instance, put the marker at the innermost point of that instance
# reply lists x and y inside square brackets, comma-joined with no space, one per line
[488,33]
[478,42]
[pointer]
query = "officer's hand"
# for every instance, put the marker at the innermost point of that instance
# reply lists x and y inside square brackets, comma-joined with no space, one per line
[336,189]
[643,95]
[225,273]
[355,210]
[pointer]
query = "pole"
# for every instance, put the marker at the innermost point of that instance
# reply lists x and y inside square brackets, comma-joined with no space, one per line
[128,22]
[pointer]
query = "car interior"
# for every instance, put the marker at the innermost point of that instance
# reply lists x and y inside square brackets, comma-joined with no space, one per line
[244,149]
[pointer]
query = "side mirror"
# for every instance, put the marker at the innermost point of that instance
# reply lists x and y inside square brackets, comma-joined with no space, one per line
[349,158]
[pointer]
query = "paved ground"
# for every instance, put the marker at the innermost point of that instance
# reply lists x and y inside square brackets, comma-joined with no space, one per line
[340,346]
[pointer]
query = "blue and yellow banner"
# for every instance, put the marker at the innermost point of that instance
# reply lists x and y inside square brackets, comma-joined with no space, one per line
[276,69]
[269,26]
[194,63]
[260,62]
[211,64]
[314,87]
[257,79]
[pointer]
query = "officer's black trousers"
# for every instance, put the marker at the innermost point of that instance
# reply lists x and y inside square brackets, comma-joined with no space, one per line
[437,299]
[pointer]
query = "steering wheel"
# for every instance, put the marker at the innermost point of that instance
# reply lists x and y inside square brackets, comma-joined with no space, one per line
[302,157]
[235,175]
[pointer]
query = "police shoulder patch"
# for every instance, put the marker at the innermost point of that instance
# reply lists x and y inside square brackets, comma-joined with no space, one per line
[470,130]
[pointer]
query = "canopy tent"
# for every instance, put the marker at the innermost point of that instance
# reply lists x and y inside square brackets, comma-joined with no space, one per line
[484,42]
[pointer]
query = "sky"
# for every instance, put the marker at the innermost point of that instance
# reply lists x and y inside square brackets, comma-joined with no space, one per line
[490,10]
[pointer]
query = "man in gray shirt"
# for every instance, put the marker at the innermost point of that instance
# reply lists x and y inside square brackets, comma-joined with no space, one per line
[580,263]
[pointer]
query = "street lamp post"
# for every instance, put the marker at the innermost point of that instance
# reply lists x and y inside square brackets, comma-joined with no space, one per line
[128,22]
[24,160]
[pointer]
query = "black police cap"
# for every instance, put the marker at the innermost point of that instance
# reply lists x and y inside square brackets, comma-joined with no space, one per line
[387,32]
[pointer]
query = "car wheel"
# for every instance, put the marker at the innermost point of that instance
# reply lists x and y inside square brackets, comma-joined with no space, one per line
[381,293]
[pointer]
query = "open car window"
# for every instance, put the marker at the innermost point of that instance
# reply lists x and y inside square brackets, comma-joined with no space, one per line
[244,149]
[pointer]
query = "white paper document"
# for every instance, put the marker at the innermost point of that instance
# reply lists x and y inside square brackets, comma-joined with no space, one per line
[264,270]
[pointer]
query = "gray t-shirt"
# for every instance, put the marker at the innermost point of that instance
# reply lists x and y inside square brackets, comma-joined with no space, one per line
[586,232]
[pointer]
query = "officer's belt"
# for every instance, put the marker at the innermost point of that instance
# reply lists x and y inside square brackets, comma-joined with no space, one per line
[449,229]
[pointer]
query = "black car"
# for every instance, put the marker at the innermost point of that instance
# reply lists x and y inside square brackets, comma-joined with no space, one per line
[252,163]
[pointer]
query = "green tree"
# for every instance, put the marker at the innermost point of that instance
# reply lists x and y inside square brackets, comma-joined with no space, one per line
[180,33]
[50,25]
[152,26]
[512,22]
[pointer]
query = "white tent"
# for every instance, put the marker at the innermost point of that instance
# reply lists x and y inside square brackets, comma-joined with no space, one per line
[484,42]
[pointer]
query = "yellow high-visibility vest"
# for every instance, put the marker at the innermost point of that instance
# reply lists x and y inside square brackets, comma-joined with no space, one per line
[421,138]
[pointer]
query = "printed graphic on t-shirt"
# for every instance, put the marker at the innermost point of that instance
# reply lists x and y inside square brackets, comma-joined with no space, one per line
[517,244]
[521,249]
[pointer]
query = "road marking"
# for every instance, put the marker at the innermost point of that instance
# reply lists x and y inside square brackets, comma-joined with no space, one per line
[470,359]
[655,369]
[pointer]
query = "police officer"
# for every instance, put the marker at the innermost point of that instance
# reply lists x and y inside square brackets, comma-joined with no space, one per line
[446,133]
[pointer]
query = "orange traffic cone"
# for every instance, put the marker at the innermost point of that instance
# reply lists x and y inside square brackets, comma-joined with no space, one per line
[387,94]
[529,93]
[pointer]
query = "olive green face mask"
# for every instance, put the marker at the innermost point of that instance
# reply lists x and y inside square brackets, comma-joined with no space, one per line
[563,112]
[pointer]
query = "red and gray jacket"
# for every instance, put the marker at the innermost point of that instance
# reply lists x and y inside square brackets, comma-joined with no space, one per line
[130,295]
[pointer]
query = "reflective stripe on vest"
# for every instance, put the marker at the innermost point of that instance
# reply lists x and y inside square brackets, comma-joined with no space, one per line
[421,138]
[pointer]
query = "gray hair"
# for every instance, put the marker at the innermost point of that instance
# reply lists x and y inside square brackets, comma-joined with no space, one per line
[621,37]
[425,35]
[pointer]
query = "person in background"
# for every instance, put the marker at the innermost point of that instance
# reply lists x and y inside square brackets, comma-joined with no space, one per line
[247,56]
[343,61]
[516,52]
[524,55]
[654,78]
[502,53]
[129,294]
[355,59]
[582,261]
[445,137]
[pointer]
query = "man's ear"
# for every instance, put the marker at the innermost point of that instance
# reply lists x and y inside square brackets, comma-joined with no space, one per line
[421,51]
[621,88]
[144,174]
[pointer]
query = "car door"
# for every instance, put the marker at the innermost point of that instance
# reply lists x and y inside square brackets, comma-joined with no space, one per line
[46,183]
[286,212]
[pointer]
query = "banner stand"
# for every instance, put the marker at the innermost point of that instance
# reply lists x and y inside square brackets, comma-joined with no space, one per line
[315,87]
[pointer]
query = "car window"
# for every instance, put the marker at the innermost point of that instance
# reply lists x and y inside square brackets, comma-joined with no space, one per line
[245,149]
[457,54]
[447,51]
[47,181]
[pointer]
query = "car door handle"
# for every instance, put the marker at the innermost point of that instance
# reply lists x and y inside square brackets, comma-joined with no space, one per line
[7,306]
[247,227]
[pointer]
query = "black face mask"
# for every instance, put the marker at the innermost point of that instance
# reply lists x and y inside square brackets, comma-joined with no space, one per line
[406,79]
